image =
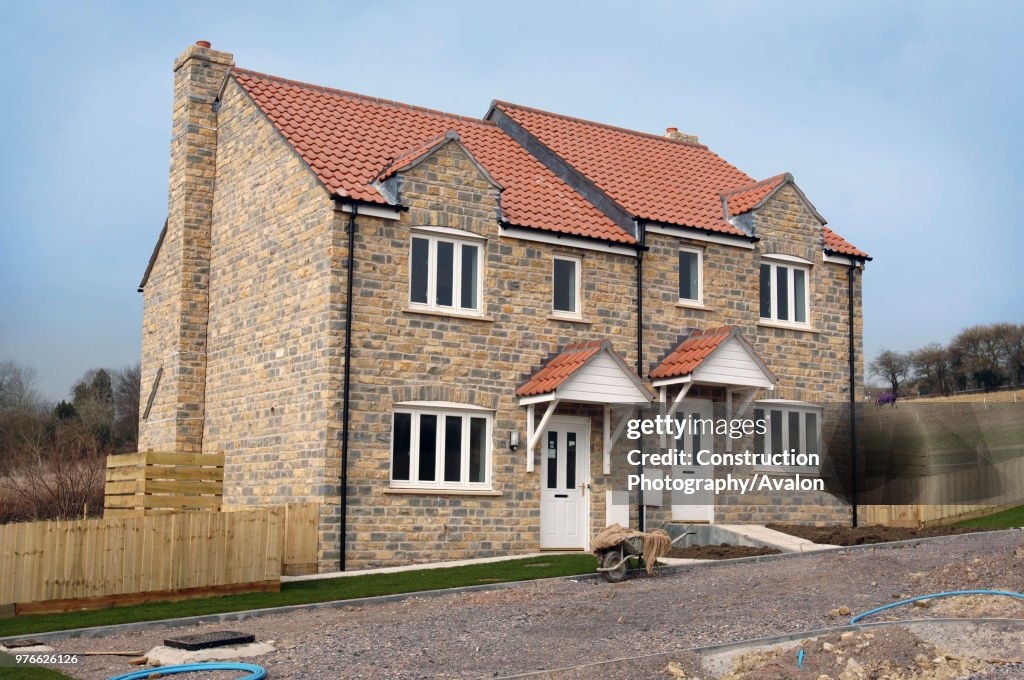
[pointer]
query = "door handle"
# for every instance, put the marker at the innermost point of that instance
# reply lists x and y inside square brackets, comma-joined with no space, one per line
[584,487]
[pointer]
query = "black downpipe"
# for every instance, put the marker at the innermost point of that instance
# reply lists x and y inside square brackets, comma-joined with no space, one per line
[641,238]
[342,534]
[853,398]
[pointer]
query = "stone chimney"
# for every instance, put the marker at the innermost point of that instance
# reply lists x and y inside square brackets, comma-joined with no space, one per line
[180,327]
[674,133]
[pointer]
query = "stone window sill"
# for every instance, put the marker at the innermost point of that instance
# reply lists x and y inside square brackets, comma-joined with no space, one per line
[569,319]
[767,323]
[448,315]
[402,491]
[690,304]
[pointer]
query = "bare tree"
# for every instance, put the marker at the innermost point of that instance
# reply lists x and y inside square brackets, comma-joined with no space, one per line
[18,387]
[982,355]
[891,367]
[127,391]
[62,478]
[933,368]
[1012,339]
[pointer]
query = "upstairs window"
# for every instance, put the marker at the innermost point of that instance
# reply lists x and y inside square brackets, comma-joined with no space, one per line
[784,292]
[444,274]
[691,276]
[565,287]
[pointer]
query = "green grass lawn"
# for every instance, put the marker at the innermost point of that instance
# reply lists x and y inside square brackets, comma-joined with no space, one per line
[8,671]
[1007,519]
[304,592]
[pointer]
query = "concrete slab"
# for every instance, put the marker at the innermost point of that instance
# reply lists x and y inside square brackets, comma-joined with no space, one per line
[769,538]
[168,656]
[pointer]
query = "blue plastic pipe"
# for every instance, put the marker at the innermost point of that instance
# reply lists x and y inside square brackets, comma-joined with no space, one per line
[256,672]
[1006,593]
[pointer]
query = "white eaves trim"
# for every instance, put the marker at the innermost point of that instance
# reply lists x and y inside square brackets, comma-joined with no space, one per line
[843,260]
[373,211]
[700,236]
[566,240]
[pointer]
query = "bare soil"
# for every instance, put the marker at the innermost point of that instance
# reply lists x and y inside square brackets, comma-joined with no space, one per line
[571,624]
[847,536]
[722,551]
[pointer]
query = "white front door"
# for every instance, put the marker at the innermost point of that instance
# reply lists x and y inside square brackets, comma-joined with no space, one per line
[564,484]
[698,507]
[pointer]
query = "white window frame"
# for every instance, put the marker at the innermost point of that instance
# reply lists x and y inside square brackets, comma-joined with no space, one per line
[456,307]
[578,262]
[466,413]
[791,265]
[699,300]
[787,407]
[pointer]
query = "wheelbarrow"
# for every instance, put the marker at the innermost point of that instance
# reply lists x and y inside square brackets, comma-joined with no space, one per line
[614,561]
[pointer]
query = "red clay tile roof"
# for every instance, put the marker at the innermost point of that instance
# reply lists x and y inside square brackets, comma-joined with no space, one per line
[745,199]
[838,244]
[653,177]
[560,368]
[349,139]
[685,358]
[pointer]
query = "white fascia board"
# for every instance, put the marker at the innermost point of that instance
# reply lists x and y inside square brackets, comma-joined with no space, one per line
[566,240]
[672,381]
[382,212]
[700,236]
[843,260]
[538,399]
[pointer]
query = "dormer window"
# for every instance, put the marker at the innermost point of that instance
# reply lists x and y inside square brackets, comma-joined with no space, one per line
[784,291]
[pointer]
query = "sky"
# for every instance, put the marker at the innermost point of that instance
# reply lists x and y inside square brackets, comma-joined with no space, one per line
[900,121]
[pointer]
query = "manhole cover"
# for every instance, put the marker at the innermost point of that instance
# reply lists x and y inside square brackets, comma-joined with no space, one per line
[219,638]
[23,642]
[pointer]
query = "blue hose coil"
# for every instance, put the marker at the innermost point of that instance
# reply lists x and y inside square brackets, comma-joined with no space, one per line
[1006,593]
[256,672]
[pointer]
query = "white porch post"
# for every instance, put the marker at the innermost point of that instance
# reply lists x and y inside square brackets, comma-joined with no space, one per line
[533,432]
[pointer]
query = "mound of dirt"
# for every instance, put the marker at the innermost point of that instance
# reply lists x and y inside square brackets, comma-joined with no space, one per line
[865,535]
[720,552]
[894,653]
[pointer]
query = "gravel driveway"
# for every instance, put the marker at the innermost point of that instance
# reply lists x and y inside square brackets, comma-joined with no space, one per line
[560,623]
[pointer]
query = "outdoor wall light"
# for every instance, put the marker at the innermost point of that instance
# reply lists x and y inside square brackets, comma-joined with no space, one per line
[513,440]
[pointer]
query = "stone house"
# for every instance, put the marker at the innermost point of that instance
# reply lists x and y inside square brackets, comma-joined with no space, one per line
[390,310]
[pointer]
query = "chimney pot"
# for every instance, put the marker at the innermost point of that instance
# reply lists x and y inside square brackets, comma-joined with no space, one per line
[669,131]
[203,43]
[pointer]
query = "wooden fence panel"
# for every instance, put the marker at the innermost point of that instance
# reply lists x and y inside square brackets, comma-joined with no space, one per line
[154,482]
[99,562]
[950,496]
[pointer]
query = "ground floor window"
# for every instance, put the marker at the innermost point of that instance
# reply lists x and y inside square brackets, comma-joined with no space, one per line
[789,426]
[440,448]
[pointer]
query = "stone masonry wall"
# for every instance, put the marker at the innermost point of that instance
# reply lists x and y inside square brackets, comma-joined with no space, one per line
[402,355]
[811,365]
[274,347]
[176,295]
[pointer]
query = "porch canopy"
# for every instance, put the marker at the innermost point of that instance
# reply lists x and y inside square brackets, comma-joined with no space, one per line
[582,373]
[719,357]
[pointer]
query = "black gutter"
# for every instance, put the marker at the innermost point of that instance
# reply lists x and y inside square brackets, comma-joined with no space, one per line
[347,384]
[641,246]
[853,398]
